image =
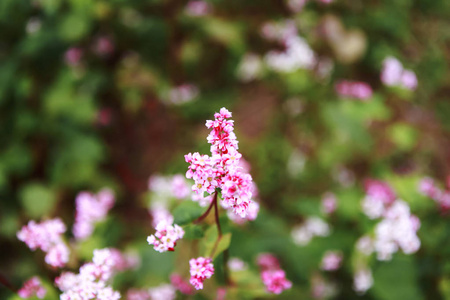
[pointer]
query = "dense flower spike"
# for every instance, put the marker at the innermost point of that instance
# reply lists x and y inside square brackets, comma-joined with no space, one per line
[166,237]
[272,276]
[90,209]
[31,288]
[91,282]
[201,268]
[47,237]
[222,169]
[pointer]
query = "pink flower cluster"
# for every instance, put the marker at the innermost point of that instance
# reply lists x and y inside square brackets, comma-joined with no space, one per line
[201,268]
[221,170]
[379,195]
[90,209]
[353,89]
[166,237]
[47,237]
[393,74]
[181,285]
[272,276]
[331,261]
[162,292]
[91,282]
[31,288]
[428,187]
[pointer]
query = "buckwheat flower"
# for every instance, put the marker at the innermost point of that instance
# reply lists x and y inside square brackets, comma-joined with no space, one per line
[275,281]
[428,187]
[409,80]
[267,261]
[235,264]
[252,214]
[73,56]
[297,55]
[46,236]
[162,292]
[313,226]
[181,285]
[365,245]
[331,261]
[91,282]
[329,203]
[250,67]
[362,281]
[32,287]
[279,31]
[221,294]
[198,8]
[221,170]
[90,209]
[353,89]
[136,294]
[166,237]
[322,289]
[180,187]
[379,195]
[201,268]
[393,74]
[392,71]
[296,6]
[183,94]
[103,46]
[58,255]
[397,230]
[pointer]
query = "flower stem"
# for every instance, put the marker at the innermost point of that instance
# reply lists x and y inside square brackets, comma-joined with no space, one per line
[206,213]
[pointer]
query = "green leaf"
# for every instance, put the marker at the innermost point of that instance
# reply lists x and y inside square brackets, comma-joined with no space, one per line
[397,279]
[210,240]
[186,212]
[193,232]
[37,199]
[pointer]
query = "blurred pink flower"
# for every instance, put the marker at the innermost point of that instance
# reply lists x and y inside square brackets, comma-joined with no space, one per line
[197,8]
[73,56]
[353,89]
[31,288]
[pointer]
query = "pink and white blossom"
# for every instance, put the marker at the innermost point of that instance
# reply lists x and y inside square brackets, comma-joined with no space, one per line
[181,285]
[221,169]
[362,280]
[201,268]
[331,261]
[47,236]
[313,226]
[353,89]
[166,237]
[393,74]
[32,287]
[91,209]
[162,292]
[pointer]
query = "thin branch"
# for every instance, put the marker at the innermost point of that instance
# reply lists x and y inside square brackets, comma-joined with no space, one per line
[206,213]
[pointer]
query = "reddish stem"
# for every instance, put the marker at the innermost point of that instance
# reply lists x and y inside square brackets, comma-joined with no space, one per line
[206,213]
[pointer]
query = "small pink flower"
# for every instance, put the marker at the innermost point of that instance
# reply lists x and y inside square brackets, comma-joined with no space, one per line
[331,261]
[180,284]
[103,46]
[31,288]
[267,261]
[73,56]
[46,236]
[135,294]
[329,203]
[275,281]
[166,237]
[201,268]
[197,8]
[354,89]
[393,74]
